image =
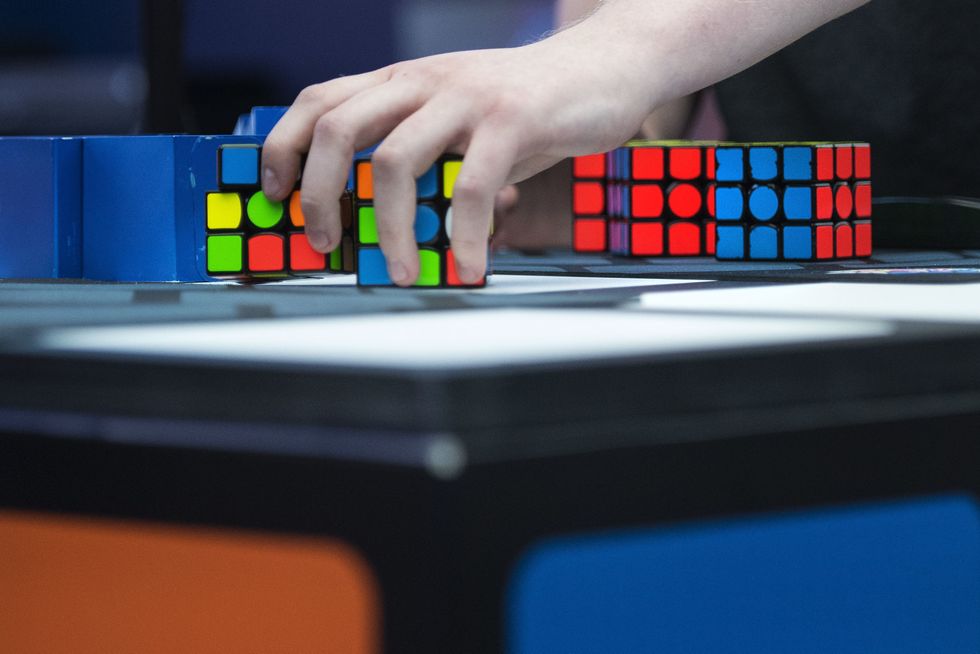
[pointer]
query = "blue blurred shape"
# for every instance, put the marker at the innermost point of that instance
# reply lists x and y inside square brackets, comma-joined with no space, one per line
[901,578]
[40,207]
[259,121]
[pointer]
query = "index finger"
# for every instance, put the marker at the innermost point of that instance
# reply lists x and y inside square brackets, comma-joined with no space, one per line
[290,139]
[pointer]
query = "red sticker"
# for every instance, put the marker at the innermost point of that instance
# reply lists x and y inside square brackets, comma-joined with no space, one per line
[844,201]
[647,201]
[684,239]
[844,236]
[592,166]
[862,239]
[862,161]
[862,199]
[589,235]
[265,253]
[647,239]
[825,242]
[589,199]
[845,161]
[648,163]
[825,163]
[685,163]
[684,200]
[302,256]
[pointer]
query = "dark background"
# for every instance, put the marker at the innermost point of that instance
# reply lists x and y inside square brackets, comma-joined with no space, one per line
[130,66]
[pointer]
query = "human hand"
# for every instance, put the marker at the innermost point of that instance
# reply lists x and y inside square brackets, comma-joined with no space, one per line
[513,112]
[510,113]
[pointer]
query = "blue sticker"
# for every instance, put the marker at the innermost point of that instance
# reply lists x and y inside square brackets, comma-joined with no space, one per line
[763,203]
[798,164]
[731,242]
[731,164]
[729,203]
[426,224]
[798,203]
[240,165]
[372,270]
[762,163]
[427,184]
[798,242]
[763,243]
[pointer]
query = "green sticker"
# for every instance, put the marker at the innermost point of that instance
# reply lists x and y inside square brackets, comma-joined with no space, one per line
[367,227]
[430,268]
[336,260]
[224,254]
[264,213]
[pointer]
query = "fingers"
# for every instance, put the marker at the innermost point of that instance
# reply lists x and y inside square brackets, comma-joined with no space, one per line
[290,138]
[486,167]
[337,135]
[407,153]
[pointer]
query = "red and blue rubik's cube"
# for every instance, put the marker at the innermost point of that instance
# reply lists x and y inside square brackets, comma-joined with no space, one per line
[760,201]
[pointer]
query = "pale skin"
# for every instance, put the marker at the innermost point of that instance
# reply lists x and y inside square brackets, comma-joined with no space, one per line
[514,112]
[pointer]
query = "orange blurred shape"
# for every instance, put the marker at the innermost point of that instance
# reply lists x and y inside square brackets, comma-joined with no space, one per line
[78,585]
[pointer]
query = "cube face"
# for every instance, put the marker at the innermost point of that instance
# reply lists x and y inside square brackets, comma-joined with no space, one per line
[589,217]
[793,201]
[249,235]
[433,225]
[659,199]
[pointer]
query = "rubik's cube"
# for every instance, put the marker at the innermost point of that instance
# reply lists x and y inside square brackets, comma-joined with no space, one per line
[793,201]
[433,226]
[249,235]
[764,201]
[646,199]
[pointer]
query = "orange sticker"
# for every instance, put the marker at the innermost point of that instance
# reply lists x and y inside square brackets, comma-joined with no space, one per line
[79,585]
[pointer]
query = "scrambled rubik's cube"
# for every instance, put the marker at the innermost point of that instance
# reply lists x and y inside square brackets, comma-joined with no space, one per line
[249,235]
[433,226]
[793,201]
[646,199]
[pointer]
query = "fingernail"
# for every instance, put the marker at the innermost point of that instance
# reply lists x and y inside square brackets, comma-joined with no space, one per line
[318,240]
[469,275]
[270,182]
[398,272]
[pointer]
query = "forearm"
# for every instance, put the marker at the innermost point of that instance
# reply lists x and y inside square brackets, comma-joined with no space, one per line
[676,47]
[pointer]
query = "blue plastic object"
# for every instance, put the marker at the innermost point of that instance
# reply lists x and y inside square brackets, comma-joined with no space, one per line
[40,207]
[143,205]
[902,578]
[259,122]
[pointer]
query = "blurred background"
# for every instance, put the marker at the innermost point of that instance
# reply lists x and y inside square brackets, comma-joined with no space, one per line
[135,66]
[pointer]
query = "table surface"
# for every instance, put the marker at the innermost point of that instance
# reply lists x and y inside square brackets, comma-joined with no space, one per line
[561,353]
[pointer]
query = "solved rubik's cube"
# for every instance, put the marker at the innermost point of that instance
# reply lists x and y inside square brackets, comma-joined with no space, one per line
[433,227]
[645,199]
[793,201]
[249,235]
